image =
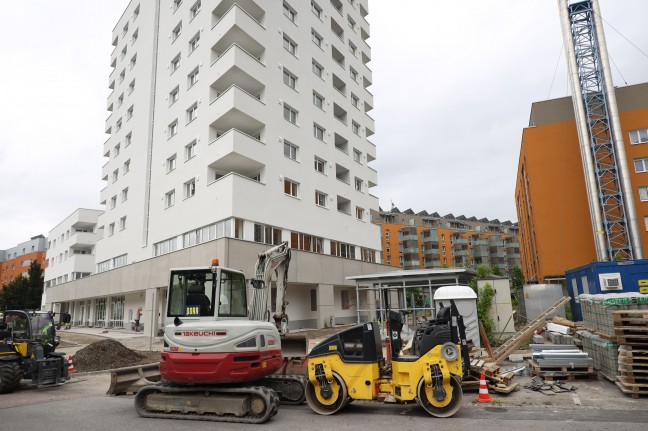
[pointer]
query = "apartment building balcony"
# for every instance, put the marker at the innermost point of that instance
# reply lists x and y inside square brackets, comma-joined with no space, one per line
[513,256]
[240,28]
[459,241]
[237,67]
[342,174]
[429,264]
[430,238]
[431,252]
[234,151]
[481,242]
[103,196]
[341,143]
[105,170]
[410,250]
[460,253]
[479,253]
[235,108]
[339,113]
[234,191]
[84,239]
[512,245]
[407,236]
[498,255]
[411,264]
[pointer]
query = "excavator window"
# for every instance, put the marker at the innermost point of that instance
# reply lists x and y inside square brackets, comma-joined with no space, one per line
[233,295]
[191,293]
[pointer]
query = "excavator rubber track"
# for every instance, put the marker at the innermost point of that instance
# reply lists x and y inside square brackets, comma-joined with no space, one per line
[290,389]
[238,404]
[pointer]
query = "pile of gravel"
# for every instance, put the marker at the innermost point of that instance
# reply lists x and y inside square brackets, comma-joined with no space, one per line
[110,354]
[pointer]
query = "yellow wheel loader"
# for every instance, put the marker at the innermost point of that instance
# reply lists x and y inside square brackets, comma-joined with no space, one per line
[351,366]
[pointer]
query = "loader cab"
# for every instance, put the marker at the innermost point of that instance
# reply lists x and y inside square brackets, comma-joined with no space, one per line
[214,292]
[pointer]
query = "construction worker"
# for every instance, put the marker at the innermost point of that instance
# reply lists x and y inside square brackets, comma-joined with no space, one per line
[67,320]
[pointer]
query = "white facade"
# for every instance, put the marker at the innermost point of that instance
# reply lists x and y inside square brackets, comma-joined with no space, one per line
[71,247]
[222,126]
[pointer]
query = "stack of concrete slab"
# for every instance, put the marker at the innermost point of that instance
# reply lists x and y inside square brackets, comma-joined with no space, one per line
[558,334]
[597,309]
[604,353]
[560,361]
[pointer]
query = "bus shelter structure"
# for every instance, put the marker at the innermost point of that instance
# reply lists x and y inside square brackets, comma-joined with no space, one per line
[409,292]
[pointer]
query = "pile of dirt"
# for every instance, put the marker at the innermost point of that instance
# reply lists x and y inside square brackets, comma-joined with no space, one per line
[110,354]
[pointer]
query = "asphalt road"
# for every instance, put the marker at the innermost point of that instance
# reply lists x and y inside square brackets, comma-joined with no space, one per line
[82,405]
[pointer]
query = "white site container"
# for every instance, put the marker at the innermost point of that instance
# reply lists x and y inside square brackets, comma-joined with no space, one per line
[466,301]
[539,297]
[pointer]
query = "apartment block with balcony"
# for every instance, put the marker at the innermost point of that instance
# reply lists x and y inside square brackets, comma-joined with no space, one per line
[15,261]
[240,121]
[71,247]
[422,240]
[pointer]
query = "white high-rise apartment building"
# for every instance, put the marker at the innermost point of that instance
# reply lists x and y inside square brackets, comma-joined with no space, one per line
[239,118]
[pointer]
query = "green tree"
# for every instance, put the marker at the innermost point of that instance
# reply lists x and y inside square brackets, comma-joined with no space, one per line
[517,278]
[484,299]
[35,289]
[23,291]
[495,270]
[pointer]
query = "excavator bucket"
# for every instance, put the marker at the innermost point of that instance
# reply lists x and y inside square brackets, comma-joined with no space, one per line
[294,346]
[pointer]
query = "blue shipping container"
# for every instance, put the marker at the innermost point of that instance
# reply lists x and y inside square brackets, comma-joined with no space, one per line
[606,277]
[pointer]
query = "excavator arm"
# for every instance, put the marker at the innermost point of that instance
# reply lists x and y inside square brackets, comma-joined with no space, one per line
[272,261]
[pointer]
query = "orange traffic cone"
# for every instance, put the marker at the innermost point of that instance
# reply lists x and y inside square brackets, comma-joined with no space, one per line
[70,366]
[483,396]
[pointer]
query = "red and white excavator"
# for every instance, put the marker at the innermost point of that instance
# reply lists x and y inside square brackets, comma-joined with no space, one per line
[219,355]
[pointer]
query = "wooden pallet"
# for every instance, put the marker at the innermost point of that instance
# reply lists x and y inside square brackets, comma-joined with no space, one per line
[607,376]
[562,373]
[638,316]
[630,388]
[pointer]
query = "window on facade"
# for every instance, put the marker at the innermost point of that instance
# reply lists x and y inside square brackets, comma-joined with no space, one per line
[111,229]
[646,223]
[355,127]
[320,165]
[353,73]
[359,213]
[175,63]
[354,100]
[317,11]
[173,128]
[317,69]
[135,36]
[639,136]
[126,166]
[113,202]
[190,150]
[115,175]
[124,51]
[352,48]
[124,195]
[171,163]
[301,241]
[367,255]
[289,114]
[131,87]
[176,4]
[643,193]
[192,113]
[133,61]
[289,45]
[190,188]
[289,12]
[289,79]
[357,155]
[129,113]
[116,150]
[341,249]
[318,100]
[320,199]
[351,23]
[317,39]
[193,43]
[291,188]
[176,31]
[195,9]
[313,299]
[266,234]
[318,132]
[641,165]
[358,184]
[290,150]
[136,12]
[193,77]
[120,100]
[119,125]
[122,223]
[174,95]
[169,199]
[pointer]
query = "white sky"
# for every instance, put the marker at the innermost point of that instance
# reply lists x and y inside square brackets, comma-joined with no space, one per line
[453,83]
